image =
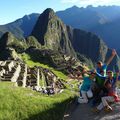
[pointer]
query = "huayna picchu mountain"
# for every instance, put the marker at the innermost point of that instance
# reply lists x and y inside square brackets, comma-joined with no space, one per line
[50,36]
[51,33]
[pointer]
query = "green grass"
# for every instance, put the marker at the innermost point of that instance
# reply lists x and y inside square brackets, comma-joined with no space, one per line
[17,103]
[24,104]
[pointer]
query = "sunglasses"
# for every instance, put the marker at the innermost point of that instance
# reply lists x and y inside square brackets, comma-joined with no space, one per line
[109,72]
[93,73]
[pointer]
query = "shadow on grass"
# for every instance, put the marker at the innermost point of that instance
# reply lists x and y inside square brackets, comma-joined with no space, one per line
[55,113]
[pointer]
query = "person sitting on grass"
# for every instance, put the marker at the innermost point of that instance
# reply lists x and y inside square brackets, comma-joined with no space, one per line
[110,85]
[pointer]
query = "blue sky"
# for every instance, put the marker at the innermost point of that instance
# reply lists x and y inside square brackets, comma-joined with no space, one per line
[11,10]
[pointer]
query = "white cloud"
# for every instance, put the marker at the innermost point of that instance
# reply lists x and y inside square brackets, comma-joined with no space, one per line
[92,2]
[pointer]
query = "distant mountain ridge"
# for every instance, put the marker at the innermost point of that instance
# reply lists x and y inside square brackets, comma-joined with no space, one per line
[51,37]
[21,27]
[101,20]
[83,18]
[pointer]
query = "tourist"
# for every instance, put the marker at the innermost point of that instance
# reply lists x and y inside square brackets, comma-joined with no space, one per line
[110,85]
[98,86]
[101,68]
[85,88]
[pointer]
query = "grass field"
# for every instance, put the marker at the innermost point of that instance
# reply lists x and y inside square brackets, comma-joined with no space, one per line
[17,103]
[25,104]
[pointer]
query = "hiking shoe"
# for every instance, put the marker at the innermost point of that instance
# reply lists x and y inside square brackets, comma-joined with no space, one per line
[108,109]
[95,110]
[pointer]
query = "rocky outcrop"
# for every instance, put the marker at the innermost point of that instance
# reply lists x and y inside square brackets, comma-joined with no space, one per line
[9,40]
[6,40]
[92,47]
[9,46]
[32,42]
[87,44]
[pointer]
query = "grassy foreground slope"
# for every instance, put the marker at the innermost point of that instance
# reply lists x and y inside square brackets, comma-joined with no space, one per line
[17,103]
[24,104]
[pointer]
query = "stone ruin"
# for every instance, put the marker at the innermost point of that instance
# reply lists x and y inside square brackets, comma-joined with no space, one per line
[37,78]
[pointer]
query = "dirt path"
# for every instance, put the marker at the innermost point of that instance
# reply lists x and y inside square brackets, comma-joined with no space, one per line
[84,112]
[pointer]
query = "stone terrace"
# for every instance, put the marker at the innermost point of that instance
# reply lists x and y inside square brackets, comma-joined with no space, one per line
[37,78]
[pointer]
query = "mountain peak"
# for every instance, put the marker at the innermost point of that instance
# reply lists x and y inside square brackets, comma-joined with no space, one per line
[75,7]
[49,12]
[42,24]
[8,35]
[26,17]
[89,6]
[6,39]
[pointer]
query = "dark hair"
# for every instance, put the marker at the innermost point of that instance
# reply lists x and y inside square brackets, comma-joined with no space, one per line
[99,62]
